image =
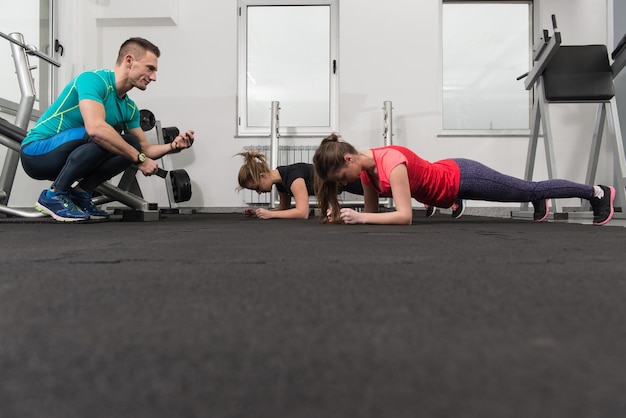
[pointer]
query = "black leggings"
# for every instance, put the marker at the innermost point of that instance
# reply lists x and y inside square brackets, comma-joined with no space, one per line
[72,156]
[479,182]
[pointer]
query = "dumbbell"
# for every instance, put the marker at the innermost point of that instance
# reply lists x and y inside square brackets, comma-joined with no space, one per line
[181,183]
[169,134]
[146,120]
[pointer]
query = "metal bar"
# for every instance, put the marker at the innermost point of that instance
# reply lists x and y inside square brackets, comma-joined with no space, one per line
[9,143]
[26,83]
[22,118]
[165,164]
[540,45]
[388,123]
[21,213]
[388,134]
[615,134]
[274,136]
[531,154]
[550,49]
[619,63]
[30,50]
[124,197]
[596,144]
[547,141]
[540,118]
[10,108]
[611,117]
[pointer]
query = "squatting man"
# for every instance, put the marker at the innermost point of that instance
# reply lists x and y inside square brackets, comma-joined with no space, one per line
[77,142]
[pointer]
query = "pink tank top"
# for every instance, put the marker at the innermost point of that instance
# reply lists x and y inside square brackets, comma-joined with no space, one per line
[435,184]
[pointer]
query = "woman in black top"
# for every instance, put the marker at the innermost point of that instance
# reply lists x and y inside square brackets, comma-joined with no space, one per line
[294,180]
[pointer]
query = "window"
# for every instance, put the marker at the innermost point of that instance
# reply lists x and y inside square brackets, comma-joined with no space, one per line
[486,46]
[288,53]
[33,19]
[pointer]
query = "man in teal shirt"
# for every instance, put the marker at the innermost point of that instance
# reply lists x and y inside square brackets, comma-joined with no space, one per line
[75,140]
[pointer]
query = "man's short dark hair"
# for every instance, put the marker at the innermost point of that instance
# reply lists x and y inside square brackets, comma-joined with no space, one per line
[137,47]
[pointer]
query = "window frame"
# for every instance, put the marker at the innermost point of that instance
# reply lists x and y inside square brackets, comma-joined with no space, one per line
[532,4]
[243,130]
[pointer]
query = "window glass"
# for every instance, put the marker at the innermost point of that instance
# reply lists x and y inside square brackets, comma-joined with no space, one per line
[288,56]
[486,46]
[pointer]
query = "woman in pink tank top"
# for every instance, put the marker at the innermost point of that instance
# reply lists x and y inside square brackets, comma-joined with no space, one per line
[398,172]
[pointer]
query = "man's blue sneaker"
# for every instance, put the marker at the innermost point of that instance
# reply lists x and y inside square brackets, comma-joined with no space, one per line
[60,207]
[83,201]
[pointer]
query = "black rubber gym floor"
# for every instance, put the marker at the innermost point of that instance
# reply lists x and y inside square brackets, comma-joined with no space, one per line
[217,315]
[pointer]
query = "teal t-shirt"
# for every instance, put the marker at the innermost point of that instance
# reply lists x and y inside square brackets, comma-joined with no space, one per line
[64,113]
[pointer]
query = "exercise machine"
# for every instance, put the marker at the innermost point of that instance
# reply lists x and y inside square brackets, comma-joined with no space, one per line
[573,74]
[11,135]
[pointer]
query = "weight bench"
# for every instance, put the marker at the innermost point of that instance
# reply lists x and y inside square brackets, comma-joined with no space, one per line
[11,136]
[573,74]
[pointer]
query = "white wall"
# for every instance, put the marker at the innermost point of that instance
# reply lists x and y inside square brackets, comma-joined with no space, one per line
[388,51]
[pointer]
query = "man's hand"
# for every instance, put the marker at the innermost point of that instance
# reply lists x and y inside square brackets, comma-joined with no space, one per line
[183,141]
[148,167]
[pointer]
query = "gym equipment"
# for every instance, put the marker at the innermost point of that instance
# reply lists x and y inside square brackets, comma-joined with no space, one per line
[180,182]
[619,58]
[178,185]
[169,134]
[388,134]
[177,182]
[572,74]
[274,136]
[146,119]
[11,135]
[181,185]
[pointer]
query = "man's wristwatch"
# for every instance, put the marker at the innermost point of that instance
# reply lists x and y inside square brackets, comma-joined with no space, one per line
[141,158]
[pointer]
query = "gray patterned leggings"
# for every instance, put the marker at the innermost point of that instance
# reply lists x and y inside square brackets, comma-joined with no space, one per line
[479,182]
